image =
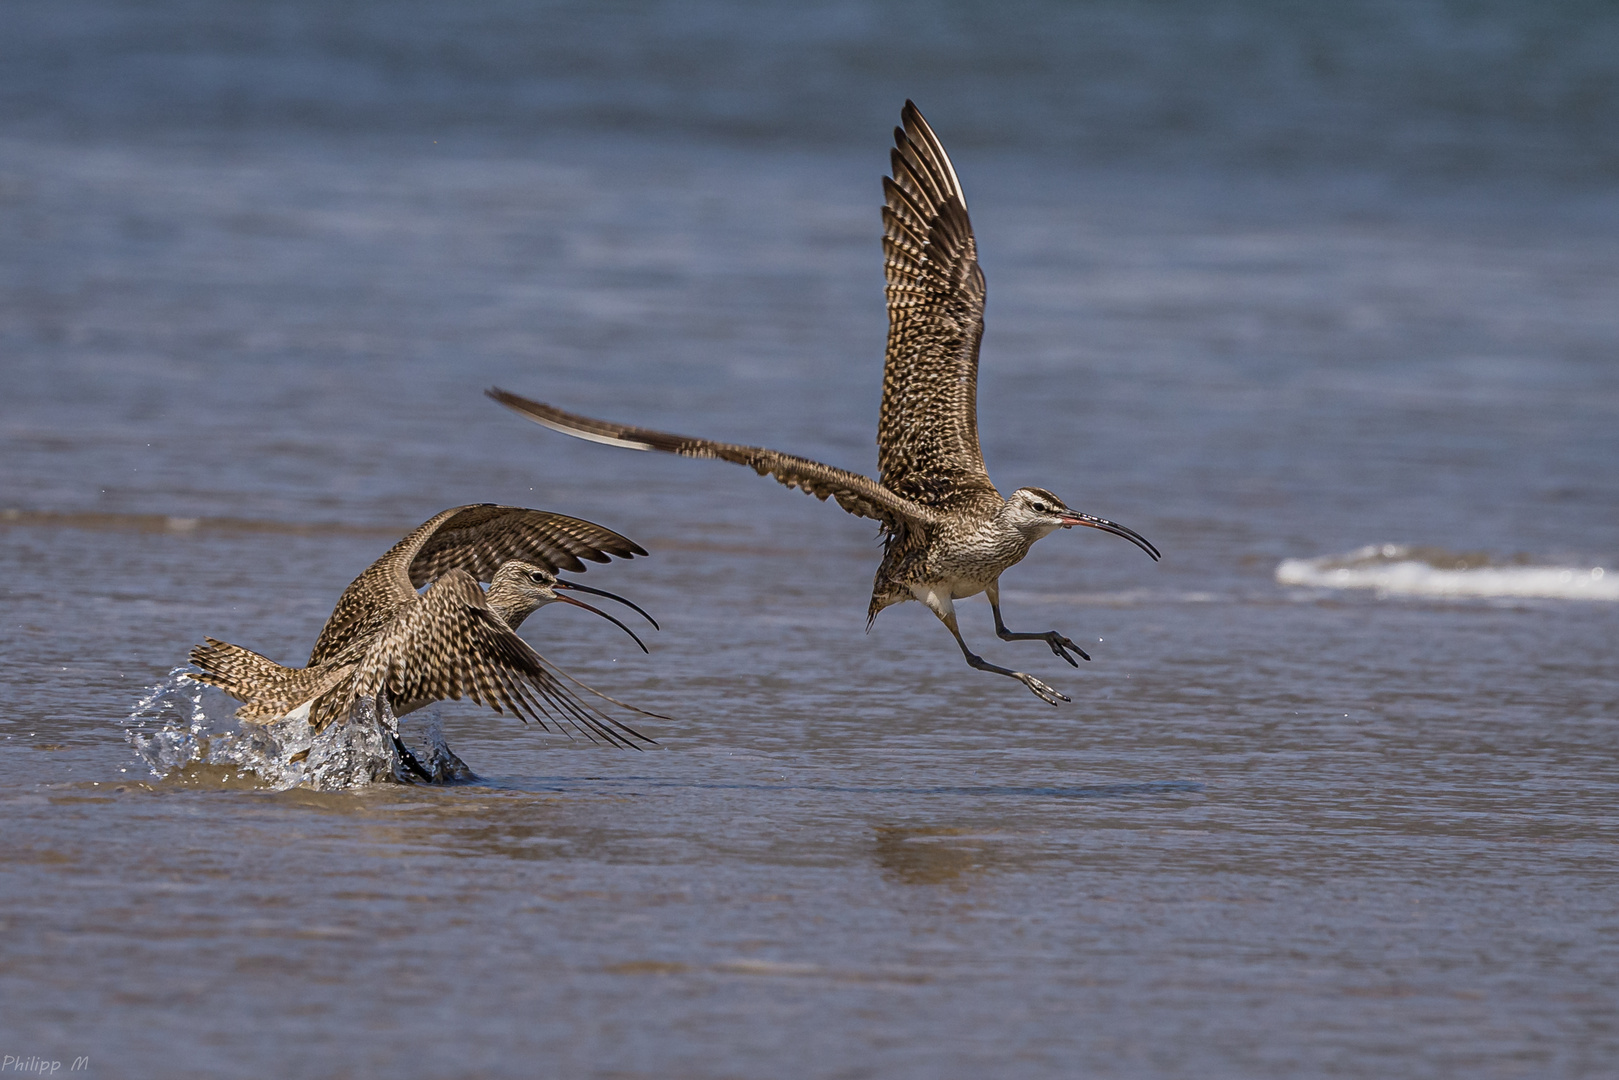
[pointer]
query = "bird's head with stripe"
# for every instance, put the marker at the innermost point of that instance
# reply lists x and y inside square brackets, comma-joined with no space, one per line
[519,589]
[1036,512]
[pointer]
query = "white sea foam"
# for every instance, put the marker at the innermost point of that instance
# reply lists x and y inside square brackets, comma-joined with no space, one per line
[1401,570]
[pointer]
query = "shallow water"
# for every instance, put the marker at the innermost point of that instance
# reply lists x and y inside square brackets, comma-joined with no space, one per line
[1283,830]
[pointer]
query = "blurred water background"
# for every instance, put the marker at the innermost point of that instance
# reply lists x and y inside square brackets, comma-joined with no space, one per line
[1322,299]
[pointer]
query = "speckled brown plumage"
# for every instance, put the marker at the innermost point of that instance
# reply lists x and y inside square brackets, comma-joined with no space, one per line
[859,495]
[270,689]
[927,429]
[948,533]
[448,642]
[476,538]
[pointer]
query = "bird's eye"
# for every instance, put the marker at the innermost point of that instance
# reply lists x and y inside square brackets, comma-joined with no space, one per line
[1039,508]
[539,578]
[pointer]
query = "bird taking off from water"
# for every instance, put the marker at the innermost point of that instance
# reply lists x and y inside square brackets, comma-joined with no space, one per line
[386,640]
[947,532]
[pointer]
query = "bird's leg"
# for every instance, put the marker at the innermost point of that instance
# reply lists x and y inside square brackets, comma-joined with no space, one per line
[1059,644]
[386,719]
[410,759]
[946,612]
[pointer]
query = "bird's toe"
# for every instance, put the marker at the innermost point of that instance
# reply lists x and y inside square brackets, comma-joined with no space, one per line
[1060,646]
[1044,692]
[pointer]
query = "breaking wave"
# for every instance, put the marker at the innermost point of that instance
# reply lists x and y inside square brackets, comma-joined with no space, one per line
[1402,570]
[183,723]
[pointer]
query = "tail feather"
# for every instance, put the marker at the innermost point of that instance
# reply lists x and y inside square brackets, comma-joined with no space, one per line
[270,690]
[884,594]
[237,671]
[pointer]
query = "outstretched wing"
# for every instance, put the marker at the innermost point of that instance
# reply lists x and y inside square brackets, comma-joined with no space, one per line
[927,433]
[859,495]
[481,538]
[477,539]
[450,645]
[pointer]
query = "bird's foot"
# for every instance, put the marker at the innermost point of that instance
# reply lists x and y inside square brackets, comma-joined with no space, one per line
[409,761]
[1060,645]
[1041,690]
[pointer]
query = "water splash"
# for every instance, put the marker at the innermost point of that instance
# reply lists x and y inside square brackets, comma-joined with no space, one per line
[438,759]
[182,723]
[1400,569]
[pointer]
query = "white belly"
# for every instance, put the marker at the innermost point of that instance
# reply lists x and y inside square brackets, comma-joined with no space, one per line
[939,594]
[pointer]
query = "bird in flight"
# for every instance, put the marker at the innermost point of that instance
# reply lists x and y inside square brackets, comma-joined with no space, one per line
[386,640]
[947,532]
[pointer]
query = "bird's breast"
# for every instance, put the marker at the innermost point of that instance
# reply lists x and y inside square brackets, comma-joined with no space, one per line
[975,557]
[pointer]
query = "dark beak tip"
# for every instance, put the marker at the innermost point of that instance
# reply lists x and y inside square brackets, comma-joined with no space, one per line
[603,614]
[611,596]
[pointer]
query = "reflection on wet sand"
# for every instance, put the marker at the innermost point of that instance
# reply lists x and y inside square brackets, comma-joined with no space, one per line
[933,855]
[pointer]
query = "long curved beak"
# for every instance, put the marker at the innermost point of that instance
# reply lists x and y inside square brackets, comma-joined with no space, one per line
[611,596]
[609,618]
[1073,517]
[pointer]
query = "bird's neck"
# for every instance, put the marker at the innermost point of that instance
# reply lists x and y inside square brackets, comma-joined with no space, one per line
[514,616]
[510,603]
